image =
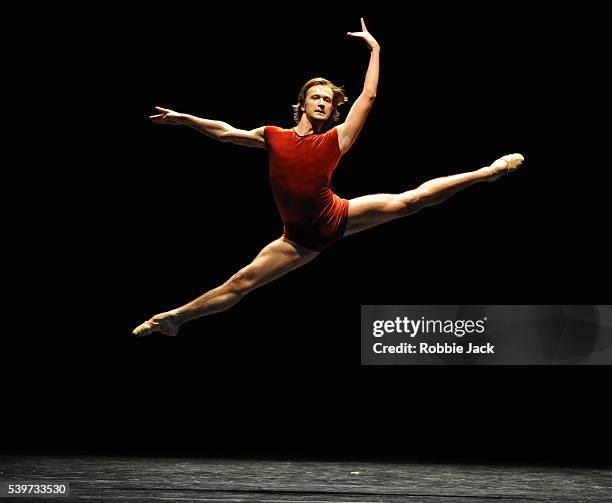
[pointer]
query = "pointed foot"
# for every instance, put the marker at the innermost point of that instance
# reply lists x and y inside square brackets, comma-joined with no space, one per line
[505,165]
[165,323]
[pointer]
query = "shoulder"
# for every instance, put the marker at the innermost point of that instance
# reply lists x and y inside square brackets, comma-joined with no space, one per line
[336,131]
[329,134]
[274,131]
[337,135]
[270,130]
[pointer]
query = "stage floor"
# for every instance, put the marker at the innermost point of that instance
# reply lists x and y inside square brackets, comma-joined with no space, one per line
[119,479]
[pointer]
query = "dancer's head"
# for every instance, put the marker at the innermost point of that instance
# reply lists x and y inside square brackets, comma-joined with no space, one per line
[316,95]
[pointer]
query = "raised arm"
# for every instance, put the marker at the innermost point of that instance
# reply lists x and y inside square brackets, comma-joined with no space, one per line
[350,129]
[217,130]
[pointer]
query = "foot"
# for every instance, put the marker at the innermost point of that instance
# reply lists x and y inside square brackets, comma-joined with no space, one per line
[166,323]
[504,165]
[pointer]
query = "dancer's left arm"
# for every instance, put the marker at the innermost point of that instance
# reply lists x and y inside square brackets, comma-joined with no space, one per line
[350,129]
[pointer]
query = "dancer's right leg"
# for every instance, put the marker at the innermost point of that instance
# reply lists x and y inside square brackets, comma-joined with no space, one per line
[274,260]
[369,211]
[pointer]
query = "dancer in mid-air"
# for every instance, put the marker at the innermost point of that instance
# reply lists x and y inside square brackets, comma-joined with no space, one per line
[301,162]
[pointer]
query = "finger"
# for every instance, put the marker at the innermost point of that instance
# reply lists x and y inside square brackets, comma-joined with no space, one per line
[163,109]
[153,117]
[363,26]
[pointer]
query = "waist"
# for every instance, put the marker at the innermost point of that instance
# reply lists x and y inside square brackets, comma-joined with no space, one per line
[307,210]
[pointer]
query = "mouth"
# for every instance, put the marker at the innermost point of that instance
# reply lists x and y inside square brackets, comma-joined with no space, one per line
[319,112]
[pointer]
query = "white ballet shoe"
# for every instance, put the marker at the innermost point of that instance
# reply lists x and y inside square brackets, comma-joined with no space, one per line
[504,165]
[166,323]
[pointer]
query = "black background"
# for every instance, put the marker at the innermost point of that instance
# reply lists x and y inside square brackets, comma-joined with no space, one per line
[110,219]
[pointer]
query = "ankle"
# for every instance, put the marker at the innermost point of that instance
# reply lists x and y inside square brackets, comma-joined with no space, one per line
[178,316]
[487,172]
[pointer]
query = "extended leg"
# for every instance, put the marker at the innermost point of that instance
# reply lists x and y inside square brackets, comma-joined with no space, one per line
[375,209]
[274,261]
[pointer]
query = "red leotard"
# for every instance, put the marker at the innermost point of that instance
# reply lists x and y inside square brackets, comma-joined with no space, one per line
[300,173]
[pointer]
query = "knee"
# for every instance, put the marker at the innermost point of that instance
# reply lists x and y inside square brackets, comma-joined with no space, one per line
[243,281]
[411,201]
[390,204]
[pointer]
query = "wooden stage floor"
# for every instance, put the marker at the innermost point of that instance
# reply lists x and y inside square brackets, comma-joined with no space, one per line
[120,479]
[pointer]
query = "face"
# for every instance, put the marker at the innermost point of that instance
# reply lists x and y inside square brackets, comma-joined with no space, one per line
[318,103]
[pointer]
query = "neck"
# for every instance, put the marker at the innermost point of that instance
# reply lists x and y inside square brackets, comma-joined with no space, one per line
[305,127]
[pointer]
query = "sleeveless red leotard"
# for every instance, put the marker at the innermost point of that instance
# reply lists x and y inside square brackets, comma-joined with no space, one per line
[300,173]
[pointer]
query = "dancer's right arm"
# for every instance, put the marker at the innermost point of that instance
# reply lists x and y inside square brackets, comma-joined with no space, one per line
[217,130]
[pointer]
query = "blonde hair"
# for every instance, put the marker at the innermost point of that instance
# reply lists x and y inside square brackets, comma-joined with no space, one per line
[339,99]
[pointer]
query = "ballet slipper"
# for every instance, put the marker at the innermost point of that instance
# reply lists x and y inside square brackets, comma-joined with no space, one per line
[505,165]
[166,323]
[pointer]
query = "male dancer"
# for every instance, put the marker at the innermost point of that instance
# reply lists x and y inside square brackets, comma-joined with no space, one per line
[301,162]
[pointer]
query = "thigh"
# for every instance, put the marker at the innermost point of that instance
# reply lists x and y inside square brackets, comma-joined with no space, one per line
[369,211]
[273,261]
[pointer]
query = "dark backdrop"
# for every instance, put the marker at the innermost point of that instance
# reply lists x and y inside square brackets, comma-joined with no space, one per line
[110,219]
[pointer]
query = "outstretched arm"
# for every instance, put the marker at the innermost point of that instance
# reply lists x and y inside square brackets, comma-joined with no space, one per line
[217,130]
[350,129]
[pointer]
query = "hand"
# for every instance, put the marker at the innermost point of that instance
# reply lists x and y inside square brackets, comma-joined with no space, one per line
[365,35]
[167,116]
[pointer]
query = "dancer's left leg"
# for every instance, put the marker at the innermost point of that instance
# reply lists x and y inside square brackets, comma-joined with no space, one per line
[273,261]
[375,209]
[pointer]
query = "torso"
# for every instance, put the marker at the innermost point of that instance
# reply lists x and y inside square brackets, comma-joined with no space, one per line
[300,171]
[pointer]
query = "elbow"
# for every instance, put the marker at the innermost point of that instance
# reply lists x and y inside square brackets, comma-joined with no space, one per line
[369,95]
